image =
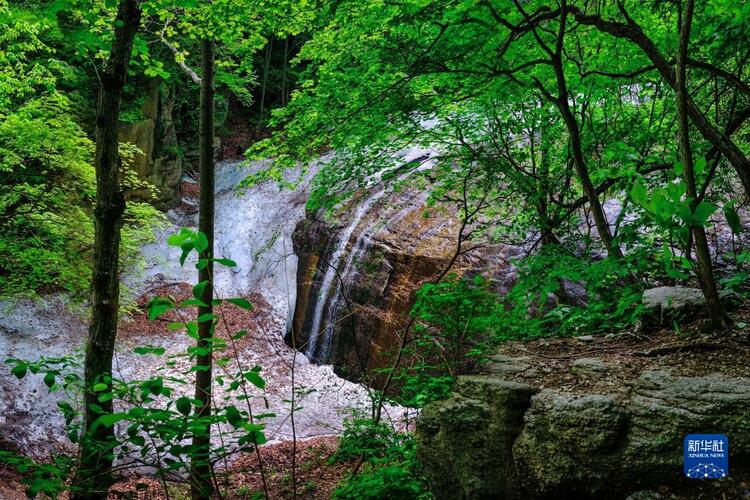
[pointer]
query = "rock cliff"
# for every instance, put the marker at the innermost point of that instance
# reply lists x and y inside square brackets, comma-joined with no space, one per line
[502,435]
[357,275]
[159,163]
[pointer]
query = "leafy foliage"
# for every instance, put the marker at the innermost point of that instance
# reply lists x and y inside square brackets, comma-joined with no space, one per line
[391,467]
[155,419]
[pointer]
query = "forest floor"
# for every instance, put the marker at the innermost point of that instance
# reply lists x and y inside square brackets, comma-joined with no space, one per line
[687,351]
[316,476]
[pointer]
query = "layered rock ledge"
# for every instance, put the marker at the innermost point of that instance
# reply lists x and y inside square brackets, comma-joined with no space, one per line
[503,435]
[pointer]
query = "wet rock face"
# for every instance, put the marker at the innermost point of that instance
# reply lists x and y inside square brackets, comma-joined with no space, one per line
[357,275]
[531,443]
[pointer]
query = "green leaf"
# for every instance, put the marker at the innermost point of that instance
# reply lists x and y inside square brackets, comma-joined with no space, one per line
[49,379]
[158,306]
[254,378]
[240,302]
[700,165]
[702,212]
[193,303]
[226,262]
[239,335]
[678,168]
[733,219]
[201,243]
[234,417]
[184,405]
[100,387]
[639,194]
[109,419]
[158,351]
[19,371]
[199,289]
[206,317]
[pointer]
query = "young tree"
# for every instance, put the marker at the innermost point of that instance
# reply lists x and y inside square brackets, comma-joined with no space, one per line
[702,253]
[93,476]
[201,486]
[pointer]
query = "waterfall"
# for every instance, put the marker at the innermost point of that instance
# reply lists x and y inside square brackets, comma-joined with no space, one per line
[332,269]
[330,294]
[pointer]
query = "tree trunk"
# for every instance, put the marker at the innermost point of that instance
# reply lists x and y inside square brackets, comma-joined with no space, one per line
[702,254]
[547,237]
[266,67]
[201,484]
[600,219]
[94,472]
[284,91]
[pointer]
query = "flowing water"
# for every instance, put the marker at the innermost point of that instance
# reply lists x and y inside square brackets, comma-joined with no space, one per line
[330,300]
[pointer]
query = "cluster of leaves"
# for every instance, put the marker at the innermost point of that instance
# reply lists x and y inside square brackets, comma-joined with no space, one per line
[558,293]
[156,420]
[47,180]
[456,321]
[389,467]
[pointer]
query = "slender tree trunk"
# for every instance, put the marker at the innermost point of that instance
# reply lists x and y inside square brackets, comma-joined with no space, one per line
[94,472]
[702,253]
[266,66]
[201,485]
[548,237]
[600,218]
[284,91]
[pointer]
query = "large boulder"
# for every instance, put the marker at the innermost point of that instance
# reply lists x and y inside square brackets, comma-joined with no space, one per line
[496,438]
[666,302]
[455,434]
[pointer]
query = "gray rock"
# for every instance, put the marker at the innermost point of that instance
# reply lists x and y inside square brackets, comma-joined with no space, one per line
[585,338]
[645,495]
[466,441]
[507,365]
[589,366]
[569,445]
[498,439]
[673,298]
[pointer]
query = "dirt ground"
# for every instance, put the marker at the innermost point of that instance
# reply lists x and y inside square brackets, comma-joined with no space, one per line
[688,351]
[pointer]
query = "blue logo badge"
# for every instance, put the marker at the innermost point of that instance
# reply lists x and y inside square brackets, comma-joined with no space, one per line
[706,456]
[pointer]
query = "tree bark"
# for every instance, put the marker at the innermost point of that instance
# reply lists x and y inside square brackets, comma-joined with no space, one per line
[93,477]
[702,253]
[201,484]
[266,67]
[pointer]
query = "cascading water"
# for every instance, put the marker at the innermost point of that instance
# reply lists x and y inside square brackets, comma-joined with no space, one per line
[332,270]
[254,228]
[330,294]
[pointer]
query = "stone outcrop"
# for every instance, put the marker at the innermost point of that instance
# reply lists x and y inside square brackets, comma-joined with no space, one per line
[357,276]
[501,436]
[665,304]
[159,163]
